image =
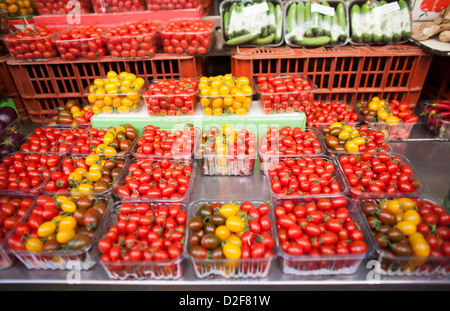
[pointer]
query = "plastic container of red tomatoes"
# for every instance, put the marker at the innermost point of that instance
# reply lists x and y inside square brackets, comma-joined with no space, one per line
[61,7]
[31,45]
[111,6]
[315,117]
[64,259]
[191,36]
[269,157]
[32,137]
[135,195]
[396,265]
[169,269]
[322,264]
[81,42]
[279,94]
[336,175]
[359,194]
[42,176]
[212,164]
[127,42]
[70,189]
[7,259]
[171,97]
[334,153]
[400,131]
[158,5]
[183,143]
[435,119]
[230,268]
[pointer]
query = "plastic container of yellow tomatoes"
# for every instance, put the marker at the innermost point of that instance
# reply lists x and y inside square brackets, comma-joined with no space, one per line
[117,93]
[73,250]
[238,254]
[226,151]
[18,8]
[225,94]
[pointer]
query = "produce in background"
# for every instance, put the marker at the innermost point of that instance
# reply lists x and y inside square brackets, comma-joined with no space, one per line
[148,179]
[440,26]
[84,175]
[237,231]
[171,97]
[298,176]
[133,40]
[407,227]
[315,23]
[225,95]
[341,137]
[284,93]
[437,118]
[32,44]
[226,151]
[85,41]
[191,36]
[380,23]
[380,173]
[72,113]
[395,118]
[51,139]
[112,141]
[256,23]
[320,113]
[113,6]
[165,143]
[62,7]
[26,171]
[18,8]
[8,117]
[59,224]
[318,227]
[119,93]
[10,142]
[160,5]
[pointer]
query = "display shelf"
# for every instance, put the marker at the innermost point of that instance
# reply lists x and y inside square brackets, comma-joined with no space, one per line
[430,158]
[254,120]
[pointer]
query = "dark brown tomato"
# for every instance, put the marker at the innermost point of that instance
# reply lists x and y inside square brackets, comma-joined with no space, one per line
[368,208]
[210,241]
[196,223]
[52,246]
[395,235]
[209,227]
[218,219]
[205,211]
[100,186]
[217,253]
[101,207]
[79,242]
[79,214]
[125,145]
[91,219]
[402,249]
[198,252]
[83,203]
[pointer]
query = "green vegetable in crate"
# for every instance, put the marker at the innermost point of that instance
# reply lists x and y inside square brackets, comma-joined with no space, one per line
[380,23]
[314,23]
[258,23]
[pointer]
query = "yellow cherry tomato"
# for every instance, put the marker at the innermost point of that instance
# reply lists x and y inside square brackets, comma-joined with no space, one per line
[68,222]
[231,251]
[46,229]
[235,224]
[382,114]
[419,245]
[373,105]
[344,135]
[412,216]
[241,111]
[108,138]
[394,206]
[65,235]
[92,158]
[94,175]
[392,120]
[208,111]
[406,203]
[75,177]
[234,239]
[336,124]
[34,245]
[406,227]
[226,129]
[222,232]
[68,206]
[62,199]
[350,146]
[228,210]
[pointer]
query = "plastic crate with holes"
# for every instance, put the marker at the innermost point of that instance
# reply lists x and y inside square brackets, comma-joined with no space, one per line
[46,86]
[347,73]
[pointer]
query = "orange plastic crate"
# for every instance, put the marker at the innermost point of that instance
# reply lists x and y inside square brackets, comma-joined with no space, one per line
[44,86]
[348,73]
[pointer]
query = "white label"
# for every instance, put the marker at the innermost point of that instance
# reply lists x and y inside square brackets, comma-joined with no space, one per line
[255,9]
[387,8]
[322,9]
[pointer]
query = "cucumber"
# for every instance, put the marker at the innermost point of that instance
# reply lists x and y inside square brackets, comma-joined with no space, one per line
[355,23]
[279,20]
[316,41]
[342,21]
[386,37]
[271,28]
[326,22]
[308,20]
[365,19]
[226,22]
[406,20]
[243,39]
[315,19]
[264,41]
[300,16]
[291,18]
[376,25]
[334,25]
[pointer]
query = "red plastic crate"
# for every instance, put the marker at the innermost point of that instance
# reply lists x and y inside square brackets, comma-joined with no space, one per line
[44,86]
[348,73]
